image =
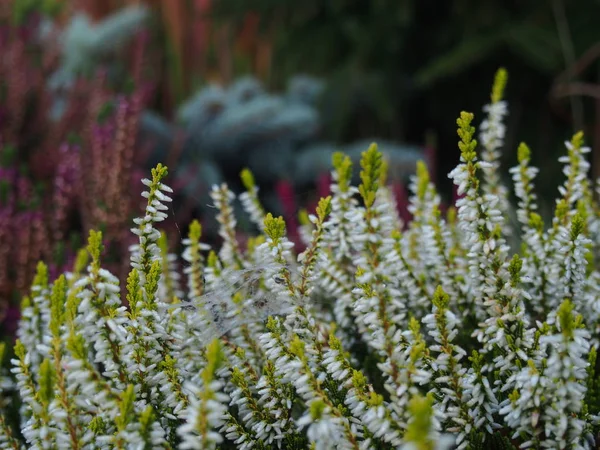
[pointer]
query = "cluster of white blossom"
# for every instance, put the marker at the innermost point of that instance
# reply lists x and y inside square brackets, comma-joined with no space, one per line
[492,132]
[379,334]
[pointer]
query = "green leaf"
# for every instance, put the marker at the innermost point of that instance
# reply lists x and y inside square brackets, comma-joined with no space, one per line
[126,405]
[460,58]
[47,377]
[539,47]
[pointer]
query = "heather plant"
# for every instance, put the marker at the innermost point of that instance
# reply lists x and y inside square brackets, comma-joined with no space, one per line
[428,335]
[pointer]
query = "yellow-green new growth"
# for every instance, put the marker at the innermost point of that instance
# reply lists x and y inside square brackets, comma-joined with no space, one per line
[273,326]
[499,85]
[238,378]
[163,243]
[568,322]
[310,254]
[168,366]
[420,426]
[196,259]
[254,242]
[297,347]
[317,408]
[303,217]
[81,261]
[212,259]
[41,275]
[371,163]
[577,140]
[343,167]
[95,248]
[151,286]
[215,357]
[146,419]
[158,174]
[465,131]
[359,381]
[77,346]
[591,370]
[441,300]
[334,342]
[514,396]
[195,232]
[19,349]
[514,268]
[396,235]
[274,227]
[133,295]
[126,411]
[451,215]
[374,399]
[58,300]
[385,165]
[25,303]
[324,208]
[536,222]
[46,379]
[247,179]
[477,361]
[583,211]
[97,425]
[419,347]
[562,210]
[415,327]
[574,154]
[423,179]
[523,153]
[577,226]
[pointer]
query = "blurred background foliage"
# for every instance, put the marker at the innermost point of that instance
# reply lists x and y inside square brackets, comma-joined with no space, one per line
[402,69]
[398,69]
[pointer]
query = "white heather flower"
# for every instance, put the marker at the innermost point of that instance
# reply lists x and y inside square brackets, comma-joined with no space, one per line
[223,197]
[33,330]
[492,129]
[249,200]
[576,169]
[211,411]
[492,132]
[523,175]
[326,432]
[102,321]
[339,225]
[566,266]
[449,371]
[147,250]
[566,370]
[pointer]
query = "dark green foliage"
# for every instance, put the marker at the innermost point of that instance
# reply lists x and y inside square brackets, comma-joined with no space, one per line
[501,442]
[592,399]
[396,69]
[22,9]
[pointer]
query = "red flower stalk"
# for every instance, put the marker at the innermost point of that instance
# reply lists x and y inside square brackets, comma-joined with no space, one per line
[65,189]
